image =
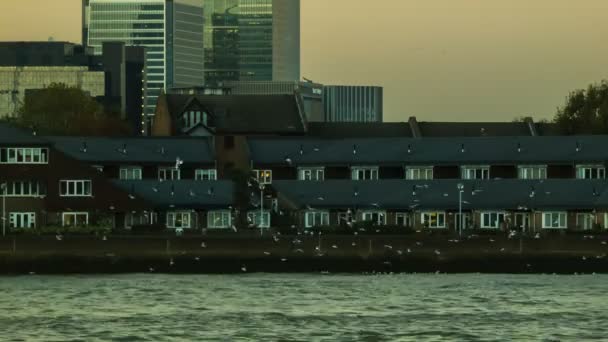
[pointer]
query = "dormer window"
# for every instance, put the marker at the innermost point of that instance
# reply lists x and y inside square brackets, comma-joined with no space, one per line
[364,173]
[476,172]
[419,172]
[192,118]
[590,172]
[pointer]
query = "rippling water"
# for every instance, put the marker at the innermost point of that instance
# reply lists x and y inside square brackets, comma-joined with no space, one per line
[305,307]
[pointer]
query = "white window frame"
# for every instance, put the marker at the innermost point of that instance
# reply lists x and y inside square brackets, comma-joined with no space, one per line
[471,172]
[75,214]
[419,173]
[345,217]
[364,172]
[532,172]
[492,219]
[562,220]
[263,176]
[179,220]
[71,187]
[205,174]
[311,174]
[130,173]
[405,217]
[596,171]
[368,216]
[24,189]
[312,216]
[254,215]
[586,221]
[18,155]
[605,220]
[20,217]
[428,214]
[219,219]
[167,173]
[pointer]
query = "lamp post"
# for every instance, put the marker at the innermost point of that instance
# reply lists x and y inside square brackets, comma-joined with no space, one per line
[460,220]
[261,209]
[3,188]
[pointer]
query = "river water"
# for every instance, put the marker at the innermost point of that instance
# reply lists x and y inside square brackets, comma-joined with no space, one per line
[304,307]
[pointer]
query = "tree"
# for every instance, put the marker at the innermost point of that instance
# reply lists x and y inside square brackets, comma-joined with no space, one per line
[66,110]
[585,111]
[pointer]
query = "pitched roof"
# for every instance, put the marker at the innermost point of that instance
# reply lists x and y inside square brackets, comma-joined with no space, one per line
[138,150]
[443,194]
[182,194]
[12,135]
[341,130]
[430,151]
[260,114]
[473,129]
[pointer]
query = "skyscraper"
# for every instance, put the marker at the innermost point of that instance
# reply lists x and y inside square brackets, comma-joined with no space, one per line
[170,30]
[252,40]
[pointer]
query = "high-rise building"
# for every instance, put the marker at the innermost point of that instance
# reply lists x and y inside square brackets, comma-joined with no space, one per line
[252,40]
[170,30]
[352,103]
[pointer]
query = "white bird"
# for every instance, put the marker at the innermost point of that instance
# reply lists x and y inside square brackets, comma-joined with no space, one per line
[266,253]
[104,238]
[354,244]
[321,198]
[283,259]
[409,250]
[59,237]
[584,258]
[419,243]
[603,242]
[437,252]
[275,238]
[178,163]
[203,244]
[491,240]
[537,236]
[197,258]
[244,268]
[171,263]
[388,246]
[334,246]
[299,250]
[151,269]
[502,249]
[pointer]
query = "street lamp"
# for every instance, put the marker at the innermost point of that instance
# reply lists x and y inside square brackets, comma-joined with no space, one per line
[460,218]
[3,186]
[261,209]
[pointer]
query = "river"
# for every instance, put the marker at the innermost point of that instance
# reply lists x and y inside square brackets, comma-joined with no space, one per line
[304,307]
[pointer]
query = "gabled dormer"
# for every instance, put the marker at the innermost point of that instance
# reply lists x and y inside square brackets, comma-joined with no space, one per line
[195,119]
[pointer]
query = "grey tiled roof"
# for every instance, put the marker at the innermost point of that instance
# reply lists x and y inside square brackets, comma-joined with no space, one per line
[11,135]
[473,129]
[182,194]
[443,194]
[138,150]
[430,151]
[341,130]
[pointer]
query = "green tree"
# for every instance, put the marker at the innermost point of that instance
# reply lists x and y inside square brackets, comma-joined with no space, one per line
[585,111]
[66,110]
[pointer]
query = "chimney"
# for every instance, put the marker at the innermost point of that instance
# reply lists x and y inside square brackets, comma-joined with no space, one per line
[414,127]
[531,126]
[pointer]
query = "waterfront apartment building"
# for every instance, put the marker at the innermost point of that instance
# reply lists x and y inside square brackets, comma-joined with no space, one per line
[353,103]
[170,30]
[252,40]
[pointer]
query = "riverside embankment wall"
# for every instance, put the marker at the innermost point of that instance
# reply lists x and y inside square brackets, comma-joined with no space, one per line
[231,254]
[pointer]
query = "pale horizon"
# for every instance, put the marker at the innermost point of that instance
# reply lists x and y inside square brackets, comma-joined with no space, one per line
[438,60]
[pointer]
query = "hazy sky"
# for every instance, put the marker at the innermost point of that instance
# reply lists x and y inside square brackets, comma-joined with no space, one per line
[456,60]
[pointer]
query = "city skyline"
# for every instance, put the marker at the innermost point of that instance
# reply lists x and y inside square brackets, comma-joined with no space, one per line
[437,60]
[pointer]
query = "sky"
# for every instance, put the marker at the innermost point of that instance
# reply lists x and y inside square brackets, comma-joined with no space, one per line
[438,60]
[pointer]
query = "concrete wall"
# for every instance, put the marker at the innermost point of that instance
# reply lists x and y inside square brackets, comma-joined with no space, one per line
[14,81]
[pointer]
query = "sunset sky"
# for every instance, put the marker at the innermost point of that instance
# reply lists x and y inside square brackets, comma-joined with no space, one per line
[450,60]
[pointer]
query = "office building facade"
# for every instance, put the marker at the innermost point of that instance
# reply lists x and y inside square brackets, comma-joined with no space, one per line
[252,40]
[353,103]
[170,30]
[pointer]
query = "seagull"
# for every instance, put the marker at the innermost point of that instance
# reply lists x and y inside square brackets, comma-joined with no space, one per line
[266,253]
[203,244]
[59,237]
[283,259]
[321,198]
[584,258]
[502,249]
[171,263]
[299,250]
[244,268]
[334,246]
[399,252]
[491,240]
[178,162]
[155,189]
[288,160]
[409,250]
[197,258]
[388,246]
[104,238]
[131,196]
[437,252]
[537,236]
[151,269]
[275,238]
[354,244]
[603,242]
[419,243]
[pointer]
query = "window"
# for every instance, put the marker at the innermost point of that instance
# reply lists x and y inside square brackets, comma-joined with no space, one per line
[311,174]
[130,173]
[585,221]
[229,142]
[590,172]
[419,173]
[179,220]
[555,220]
[75,219]
[433,219]
[75,188]
[168,173]
[219,219]
[522,221]
[25,189]
[475,172]
[364,173]
[263,176]
[345,218]
[315,218]
[205,174]
[532,172]
[492,219]
[377,218]
[22,220]
[24,155]
[253,217]
[403,219]
[466,221]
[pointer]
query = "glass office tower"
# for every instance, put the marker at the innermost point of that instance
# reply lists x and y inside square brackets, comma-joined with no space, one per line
[251,40]
[170,30]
